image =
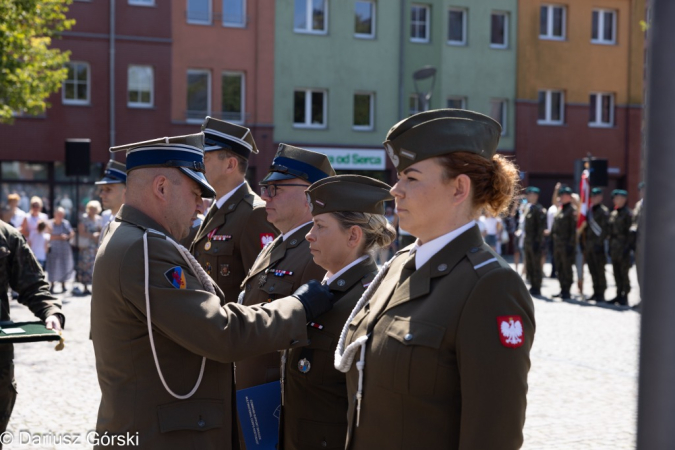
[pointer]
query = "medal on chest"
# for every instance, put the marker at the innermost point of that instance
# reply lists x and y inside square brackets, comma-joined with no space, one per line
[304,365]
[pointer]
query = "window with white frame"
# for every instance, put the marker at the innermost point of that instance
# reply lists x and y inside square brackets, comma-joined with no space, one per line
[364,105]
[76,86]
[309,108]
[199,12]
[499,30]
[142,2]
[456,102]
[551,107]
[311,16]
[552,22]
[234,13]
[419,23]
[601,110]
[140,86]
[198,95]
[457,26]
[498,111]
[233,95]
[364,19]
[604,27]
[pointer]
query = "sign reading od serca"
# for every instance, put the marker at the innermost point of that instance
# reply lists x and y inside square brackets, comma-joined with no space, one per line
[353,158]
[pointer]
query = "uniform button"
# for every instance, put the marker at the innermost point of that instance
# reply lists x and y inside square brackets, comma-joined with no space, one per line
[474,250]
[442,267]
[271,288]
[294,241]
[408,337]
[231,207]
[201,423]
[341,282]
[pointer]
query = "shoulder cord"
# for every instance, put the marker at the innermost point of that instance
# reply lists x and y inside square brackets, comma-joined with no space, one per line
[206,282]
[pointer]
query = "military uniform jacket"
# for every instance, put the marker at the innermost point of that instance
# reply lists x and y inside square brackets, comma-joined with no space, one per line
[20,270]
[535,224]
[600,215]
[242,230]
[315,393]
[620,221]
[188,323]
[564,227]
[440,372]
[281,268]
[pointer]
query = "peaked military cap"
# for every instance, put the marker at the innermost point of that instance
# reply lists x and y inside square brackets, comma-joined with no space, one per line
[439,132]
[565,190]
[348,193]
[295,162]
[622,192]
[183,152]
[532,190]
[221,135]
[115,173]
[596,191]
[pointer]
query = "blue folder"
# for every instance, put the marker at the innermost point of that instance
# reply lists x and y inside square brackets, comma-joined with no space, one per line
[259,411]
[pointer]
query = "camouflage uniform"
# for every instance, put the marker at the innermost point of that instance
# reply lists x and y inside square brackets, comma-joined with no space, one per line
[620,222]
[594,249]
[19,270]
[635,236]
[564,241]
[535,224]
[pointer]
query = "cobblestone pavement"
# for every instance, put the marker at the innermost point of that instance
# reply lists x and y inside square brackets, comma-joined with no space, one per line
[583,382]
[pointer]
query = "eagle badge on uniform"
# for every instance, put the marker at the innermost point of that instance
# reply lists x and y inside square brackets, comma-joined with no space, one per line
[265,238]
[510,331]
[176,277]
[304,365]
[224,270]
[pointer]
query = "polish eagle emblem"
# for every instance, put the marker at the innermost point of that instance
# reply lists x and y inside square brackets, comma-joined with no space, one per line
[510,331]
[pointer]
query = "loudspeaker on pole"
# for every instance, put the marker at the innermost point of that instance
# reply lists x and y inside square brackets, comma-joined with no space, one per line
[78,157]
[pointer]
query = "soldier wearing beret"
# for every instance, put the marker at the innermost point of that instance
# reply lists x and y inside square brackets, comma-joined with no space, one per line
[437,350]
[349,225]
[286,263]
[595,234]
[620,221]
[112,188]
[164,337]
[535,225]
[236,227]
[564,232]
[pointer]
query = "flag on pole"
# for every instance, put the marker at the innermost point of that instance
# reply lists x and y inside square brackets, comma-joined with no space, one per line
[585,197]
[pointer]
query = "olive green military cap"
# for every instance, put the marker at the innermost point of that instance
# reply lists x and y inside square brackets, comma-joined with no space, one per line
[565,190]
[221,135]
[295,162]
[354,193]
[439,132]
[532,190]
[621,192]
[596,191]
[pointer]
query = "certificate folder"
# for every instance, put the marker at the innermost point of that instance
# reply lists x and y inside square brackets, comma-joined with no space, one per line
[17,332]
[259,410]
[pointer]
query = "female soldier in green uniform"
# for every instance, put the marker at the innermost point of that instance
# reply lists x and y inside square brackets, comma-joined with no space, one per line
[437,350]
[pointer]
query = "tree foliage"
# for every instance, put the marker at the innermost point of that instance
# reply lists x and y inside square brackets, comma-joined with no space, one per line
[29,69]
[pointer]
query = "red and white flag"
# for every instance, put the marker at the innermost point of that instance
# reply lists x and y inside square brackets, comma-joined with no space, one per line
[585,197]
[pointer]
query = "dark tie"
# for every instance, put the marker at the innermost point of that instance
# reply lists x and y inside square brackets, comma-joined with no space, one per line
[408,268]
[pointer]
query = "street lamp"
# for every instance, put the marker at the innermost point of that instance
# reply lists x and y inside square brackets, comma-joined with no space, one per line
[424,73]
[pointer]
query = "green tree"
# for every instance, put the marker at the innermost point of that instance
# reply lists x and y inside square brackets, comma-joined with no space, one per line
[29,69]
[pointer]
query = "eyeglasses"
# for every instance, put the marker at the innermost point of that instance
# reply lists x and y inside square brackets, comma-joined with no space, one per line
[270,190]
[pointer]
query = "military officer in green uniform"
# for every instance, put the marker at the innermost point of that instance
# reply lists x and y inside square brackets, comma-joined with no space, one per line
[349,225]
[286,263]
[236,228]
[620,221]
[20,271]
[436,351]
[164,336]
[564,232]
[595,235]
[535,225]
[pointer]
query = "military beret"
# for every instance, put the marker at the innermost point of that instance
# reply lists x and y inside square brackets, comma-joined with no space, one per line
[295,162]
[221,135]
[115,173]
[596,191]
[565,190]
[621,192]
[439,132]
[183,152]
[532,190]
[348,193]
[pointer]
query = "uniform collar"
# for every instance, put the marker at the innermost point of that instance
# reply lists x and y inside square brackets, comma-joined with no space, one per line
[134,216]
[329,280]
[285,236]
[423,253]
[221,201]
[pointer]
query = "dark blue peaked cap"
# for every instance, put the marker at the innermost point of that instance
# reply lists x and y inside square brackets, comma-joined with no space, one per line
[295,162]
[183,152]
[115,173]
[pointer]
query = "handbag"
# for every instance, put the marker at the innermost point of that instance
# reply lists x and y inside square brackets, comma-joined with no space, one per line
[505,238]
[81,243]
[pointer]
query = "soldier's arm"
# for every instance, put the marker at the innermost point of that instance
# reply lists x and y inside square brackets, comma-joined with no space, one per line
[255,229]
[542,224]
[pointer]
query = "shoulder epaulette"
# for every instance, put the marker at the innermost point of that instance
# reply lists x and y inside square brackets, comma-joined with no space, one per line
[482,260]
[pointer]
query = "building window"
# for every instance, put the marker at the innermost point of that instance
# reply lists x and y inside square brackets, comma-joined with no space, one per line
[140,82]
[604,27]
[311,16]
[364,106]
[551,108]
[419,23]
[199,12]
[457,26]
[601,110]
[234,13]
[499,30]
[456,102]
[552,22]
[198,95]
[364,19]
[498,111]
[415,104]
[232,84]
[76,86]
[142,2]
[309,108]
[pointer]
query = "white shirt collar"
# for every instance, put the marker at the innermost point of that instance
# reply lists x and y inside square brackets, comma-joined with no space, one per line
[329,280]
[423,253]
[221,201]
[285,235]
